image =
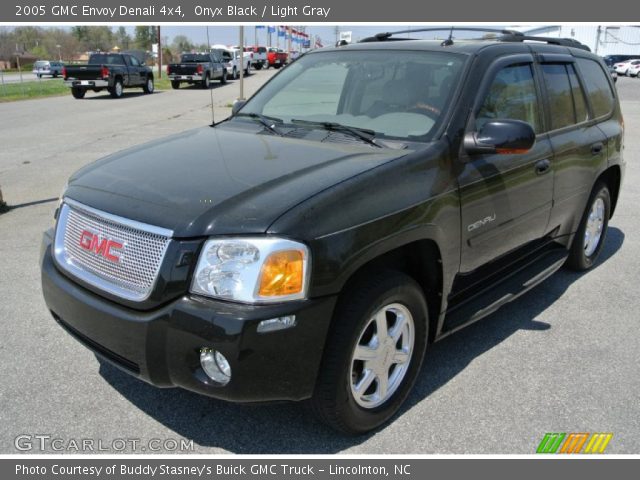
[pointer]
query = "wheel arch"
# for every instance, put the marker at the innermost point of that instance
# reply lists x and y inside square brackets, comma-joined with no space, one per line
[419,259]
[612,177]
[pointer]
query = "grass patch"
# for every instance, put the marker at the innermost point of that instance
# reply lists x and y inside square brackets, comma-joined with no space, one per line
[10,92]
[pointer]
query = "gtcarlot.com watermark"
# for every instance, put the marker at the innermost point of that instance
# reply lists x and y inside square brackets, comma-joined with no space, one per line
[51,443]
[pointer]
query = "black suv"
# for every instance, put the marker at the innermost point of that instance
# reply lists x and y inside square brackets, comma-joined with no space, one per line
[367,201]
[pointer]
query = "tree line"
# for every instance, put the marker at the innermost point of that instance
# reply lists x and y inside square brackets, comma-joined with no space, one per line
[67,43]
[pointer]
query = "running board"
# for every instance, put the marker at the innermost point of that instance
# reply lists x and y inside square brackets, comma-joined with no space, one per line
[508,289]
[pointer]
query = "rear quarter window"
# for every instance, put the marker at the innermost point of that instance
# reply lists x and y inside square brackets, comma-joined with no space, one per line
[597,85]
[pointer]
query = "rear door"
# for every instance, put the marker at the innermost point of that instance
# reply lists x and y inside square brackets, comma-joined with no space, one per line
[217,66]
[577,133]
[506,198]
[135,77]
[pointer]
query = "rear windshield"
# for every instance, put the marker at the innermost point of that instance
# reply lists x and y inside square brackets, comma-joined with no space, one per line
[194,58]
[41,64]
[105,59]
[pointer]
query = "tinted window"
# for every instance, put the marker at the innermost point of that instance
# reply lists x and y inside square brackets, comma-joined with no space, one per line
[194,58]
[560,97]
[105,58]
[134,61]
[597,85]
[512,95]
[579,101]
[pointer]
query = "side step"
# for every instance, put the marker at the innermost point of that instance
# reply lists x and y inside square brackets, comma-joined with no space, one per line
[506,290]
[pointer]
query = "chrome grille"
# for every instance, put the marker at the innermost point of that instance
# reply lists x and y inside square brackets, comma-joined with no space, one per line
[132,269]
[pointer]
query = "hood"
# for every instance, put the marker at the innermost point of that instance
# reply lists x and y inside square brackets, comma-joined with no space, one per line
[230,179]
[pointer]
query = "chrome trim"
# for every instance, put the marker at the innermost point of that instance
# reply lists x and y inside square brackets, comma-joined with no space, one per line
[165,232]
[92,83]
[90,278]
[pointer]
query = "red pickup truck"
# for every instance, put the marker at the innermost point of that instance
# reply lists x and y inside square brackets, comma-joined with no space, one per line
[276,57]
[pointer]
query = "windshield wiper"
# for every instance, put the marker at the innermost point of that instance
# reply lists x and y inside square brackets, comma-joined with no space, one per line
[361,133]
[268,122]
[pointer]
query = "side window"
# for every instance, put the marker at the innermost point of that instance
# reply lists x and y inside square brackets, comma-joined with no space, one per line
[512,95]
[579,100]
[597,85]
[561,107]
[134,62]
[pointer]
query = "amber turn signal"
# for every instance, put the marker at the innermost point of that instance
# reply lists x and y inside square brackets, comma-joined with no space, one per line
[282,274]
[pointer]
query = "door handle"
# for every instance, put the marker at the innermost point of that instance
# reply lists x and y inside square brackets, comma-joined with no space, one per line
[542,167]
[596,148]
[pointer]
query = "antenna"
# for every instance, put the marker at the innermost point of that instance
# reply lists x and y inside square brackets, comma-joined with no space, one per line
[213,118]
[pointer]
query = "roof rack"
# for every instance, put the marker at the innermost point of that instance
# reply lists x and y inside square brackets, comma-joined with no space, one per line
[565,42]
[385,36]
[505,36]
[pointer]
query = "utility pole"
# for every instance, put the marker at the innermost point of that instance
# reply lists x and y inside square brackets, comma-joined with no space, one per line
[159,54]
[241,66]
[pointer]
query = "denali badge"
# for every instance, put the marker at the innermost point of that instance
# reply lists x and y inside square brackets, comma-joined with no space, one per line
[105,247]
[481,223]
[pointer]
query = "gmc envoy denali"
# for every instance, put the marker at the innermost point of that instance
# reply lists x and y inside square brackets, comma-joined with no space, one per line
[368,200]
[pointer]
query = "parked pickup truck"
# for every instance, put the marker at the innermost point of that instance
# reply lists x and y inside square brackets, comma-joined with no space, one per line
[258,57]
[113,71]
[235,60]
[276,57]
[198,68]
[314,244]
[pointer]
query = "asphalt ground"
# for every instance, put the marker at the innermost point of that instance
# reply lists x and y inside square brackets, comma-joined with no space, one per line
[563,358]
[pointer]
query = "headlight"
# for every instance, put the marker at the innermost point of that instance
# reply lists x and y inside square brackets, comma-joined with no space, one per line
[252,270]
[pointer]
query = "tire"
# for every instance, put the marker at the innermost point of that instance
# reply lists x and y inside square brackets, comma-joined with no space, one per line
[223,78]
[235,73]
[590,237]
[247,71]
[55,75]
[175,84]
[258,66]
[206,82]
[117,90]
[78,93]
[149,86]
[336,400]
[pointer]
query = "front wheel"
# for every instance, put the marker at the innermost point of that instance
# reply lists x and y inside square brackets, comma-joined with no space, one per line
[235,73]
[223,78]
[589,239]
[149,86]
[374,353]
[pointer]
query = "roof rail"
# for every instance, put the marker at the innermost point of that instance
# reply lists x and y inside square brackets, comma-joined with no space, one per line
[565,42]
[505,36]
[385,36]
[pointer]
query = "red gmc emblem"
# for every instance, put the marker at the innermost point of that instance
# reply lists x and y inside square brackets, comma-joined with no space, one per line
[104,247]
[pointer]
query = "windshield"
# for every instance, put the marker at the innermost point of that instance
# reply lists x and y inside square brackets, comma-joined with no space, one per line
[395,94]
[106,59]
[194,58]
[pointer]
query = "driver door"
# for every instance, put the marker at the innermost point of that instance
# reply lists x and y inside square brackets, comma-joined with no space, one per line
[506,199]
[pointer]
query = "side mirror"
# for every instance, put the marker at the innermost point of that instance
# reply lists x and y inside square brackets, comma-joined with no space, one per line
[502,137]
[237,105]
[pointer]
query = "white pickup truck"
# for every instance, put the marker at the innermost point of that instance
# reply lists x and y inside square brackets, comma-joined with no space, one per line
[232,60]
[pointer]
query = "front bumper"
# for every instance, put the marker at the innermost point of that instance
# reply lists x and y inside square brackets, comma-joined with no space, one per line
[87,83]
[162,346]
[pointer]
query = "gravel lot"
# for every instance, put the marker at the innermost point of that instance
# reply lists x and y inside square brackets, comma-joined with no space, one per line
[563,358]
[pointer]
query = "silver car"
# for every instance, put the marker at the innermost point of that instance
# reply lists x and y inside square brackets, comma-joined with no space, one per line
[46,67]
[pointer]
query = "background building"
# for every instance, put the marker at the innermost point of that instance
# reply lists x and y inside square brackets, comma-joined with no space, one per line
[601,39]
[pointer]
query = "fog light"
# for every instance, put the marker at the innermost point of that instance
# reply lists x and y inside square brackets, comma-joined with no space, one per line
[215,365]
[274,324]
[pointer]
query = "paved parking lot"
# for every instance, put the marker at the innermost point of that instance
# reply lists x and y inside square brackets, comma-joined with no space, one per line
[563,358]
